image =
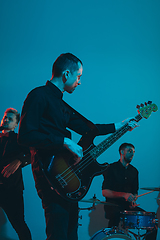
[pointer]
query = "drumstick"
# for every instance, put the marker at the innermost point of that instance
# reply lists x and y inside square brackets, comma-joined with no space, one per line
[145,193]
[134,202]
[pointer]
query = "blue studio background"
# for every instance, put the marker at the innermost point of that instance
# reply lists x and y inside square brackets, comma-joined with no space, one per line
[119,44]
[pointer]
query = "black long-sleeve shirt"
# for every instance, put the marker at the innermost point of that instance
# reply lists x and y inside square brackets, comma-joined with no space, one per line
[10,150]
[45,119]
[44,123]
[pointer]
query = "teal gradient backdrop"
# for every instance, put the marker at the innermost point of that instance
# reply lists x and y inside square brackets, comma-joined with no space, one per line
[119,44]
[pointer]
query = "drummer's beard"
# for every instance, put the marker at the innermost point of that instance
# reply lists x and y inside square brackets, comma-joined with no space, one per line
[128,160]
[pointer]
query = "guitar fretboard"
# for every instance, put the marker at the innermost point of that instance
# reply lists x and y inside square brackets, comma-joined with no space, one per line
[104,145]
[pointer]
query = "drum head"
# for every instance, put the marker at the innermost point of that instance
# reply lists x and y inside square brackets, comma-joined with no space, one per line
[116,236]
[106,234]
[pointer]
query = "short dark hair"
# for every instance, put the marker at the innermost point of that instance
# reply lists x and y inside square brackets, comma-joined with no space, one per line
[63,62]
[12,110]
[125,145]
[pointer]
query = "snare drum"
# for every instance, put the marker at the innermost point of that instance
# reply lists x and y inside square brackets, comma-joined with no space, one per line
[110,233]
[138,220]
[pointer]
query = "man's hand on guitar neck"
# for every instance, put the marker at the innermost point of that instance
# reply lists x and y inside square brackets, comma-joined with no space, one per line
[131,122]
[74,148]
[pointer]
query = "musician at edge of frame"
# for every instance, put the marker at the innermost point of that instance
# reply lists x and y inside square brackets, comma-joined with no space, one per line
[44,119]
[120,187]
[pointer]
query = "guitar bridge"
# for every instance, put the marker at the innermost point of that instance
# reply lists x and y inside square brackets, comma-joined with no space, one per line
[61,180]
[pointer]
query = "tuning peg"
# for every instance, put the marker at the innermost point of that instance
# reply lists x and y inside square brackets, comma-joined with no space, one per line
[138,106]
[146,103]
[142,105]
[149,102]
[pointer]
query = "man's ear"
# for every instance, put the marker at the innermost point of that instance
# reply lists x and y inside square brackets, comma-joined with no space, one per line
[122,151]
[65,75]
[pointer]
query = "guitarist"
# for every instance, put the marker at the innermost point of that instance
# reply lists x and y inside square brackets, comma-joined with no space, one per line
[43,127]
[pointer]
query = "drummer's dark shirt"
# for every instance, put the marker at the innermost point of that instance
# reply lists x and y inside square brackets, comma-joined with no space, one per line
[120,179]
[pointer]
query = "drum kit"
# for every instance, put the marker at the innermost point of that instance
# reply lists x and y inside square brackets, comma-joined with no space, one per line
[137,220]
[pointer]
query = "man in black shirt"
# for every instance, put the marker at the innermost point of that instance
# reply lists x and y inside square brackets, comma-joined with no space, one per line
[120,187]
[43,127]
[12,159]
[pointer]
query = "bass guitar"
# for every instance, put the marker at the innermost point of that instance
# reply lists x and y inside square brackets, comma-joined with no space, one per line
[72,181]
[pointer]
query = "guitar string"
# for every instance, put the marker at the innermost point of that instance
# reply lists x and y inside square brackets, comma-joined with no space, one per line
[90,157]
[85,162]
[70,175]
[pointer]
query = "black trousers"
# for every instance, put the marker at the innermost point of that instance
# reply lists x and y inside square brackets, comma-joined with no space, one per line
[11,201]
[61,216]
[114,216]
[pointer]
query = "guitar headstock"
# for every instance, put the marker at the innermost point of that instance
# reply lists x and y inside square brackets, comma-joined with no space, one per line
[146,109]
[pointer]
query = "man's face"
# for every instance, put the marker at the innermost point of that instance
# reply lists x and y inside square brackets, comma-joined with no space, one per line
[128,154]
[73,79]
[9,121]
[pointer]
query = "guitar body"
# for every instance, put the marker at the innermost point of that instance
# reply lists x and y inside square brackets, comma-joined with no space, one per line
[71,181]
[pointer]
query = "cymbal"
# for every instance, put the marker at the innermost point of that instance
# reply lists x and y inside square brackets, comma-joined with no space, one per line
[152,188]
[97,201]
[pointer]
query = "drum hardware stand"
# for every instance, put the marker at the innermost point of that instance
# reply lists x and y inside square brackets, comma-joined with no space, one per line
[138,236]
[80,217]
[90,208]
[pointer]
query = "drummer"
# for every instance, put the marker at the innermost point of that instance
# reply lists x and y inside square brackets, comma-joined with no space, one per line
[120,187]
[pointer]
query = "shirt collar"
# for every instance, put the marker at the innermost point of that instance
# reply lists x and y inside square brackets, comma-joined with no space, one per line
[56,90]
[122,164]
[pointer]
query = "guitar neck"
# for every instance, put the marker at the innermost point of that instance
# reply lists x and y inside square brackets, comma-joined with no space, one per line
[104,145]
